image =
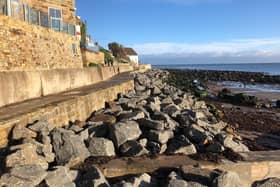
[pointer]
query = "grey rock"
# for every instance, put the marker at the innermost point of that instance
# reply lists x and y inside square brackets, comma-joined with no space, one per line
[23,176]
[68,148]
[75,128]
[227,179]
[235,146]
[123,132]
[215,147]
[84,135]
[93,178]
[98,129]
[61,176]
[270,182]
[101,147]
[131,116]
[133,148]
[154,147]
[151,124]
[176,181]
[156,91]
[196,134]
[161,136]
[105,118]
[144,180]
[152,107]
[20,132]
[42,125]
[143,142]
[25,155]
[172,110]
[169,123]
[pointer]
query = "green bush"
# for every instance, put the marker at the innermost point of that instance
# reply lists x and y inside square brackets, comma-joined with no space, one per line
[93,65]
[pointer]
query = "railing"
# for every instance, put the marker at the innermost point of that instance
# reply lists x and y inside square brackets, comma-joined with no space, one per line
[22,11]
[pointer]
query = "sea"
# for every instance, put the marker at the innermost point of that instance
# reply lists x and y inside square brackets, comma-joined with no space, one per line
[267,68]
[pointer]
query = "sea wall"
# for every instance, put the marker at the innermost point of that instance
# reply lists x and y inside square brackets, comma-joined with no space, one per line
[27,47]
[92,57]
[61,108]
[19,86]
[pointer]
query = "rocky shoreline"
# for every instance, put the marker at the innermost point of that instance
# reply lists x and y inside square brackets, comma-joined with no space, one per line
[154,118]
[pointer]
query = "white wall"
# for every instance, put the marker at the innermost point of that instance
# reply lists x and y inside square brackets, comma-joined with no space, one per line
[134,59]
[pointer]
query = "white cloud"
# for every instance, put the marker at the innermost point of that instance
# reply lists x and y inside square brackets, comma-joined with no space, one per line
[248,47]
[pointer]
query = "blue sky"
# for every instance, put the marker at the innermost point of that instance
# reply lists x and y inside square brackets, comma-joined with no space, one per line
[236,30]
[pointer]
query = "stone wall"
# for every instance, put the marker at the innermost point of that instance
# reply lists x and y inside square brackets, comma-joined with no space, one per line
[67,7]
[26,47]
[92,57]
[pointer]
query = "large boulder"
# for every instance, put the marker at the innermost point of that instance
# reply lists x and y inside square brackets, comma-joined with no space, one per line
[144,180]
[101,147]
[105,118]
[25,155]
[41,126]
[133,148]
[20,132]
[124,131]
[160,136]
[131,116]
[270,182]
[69,148]
[181,145]
[172,110]
[151,124]
[98,129]
[238,147]
[23,176]
[92,178]
[174,180]
[227,179]
[61,176]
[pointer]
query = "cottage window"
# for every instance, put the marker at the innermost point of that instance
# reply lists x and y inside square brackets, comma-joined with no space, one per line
[34,16]
[3,7]
[17,9]
[26,12]
[71,29]
[55,16]
[44,19]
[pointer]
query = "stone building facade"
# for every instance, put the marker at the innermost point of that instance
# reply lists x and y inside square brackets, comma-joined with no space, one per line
[59,15]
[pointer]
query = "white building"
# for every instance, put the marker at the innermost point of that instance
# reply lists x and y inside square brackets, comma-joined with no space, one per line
[132,55]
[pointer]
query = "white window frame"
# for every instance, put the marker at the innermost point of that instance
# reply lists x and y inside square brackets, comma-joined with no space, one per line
[54,18]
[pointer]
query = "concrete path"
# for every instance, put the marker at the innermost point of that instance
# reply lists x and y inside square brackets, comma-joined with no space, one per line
[61,108]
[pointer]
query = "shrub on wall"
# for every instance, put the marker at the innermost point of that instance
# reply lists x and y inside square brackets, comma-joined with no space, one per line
[107,56]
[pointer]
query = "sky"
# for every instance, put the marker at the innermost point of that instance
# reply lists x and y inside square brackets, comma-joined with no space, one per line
[191,31]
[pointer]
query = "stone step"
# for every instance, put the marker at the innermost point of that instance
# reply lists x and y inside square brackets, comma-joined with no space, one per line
[59,109]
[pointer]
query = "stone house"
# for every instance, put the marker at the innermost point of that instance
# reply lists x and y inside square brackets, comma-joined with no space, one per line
[132,55]
[60,15]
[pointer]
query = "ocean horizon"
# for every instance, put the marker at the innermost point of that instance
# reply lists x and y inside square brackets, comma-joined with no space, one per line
[267,68]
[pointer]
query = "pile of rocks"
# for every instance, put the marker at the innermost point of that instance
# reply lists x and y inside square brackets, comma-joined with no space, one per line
[155,118]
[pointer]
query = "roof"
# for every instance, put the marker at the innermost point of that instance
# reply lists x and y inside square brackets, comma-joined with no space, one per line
[130,52]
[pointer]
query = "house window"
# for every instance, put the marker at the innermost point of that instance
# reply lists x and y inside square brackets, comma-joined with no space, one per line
[17,9]
[71,29]
[44,19]
[3,7]
[34,16]
[26,12]
[55,16]
[74,49]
